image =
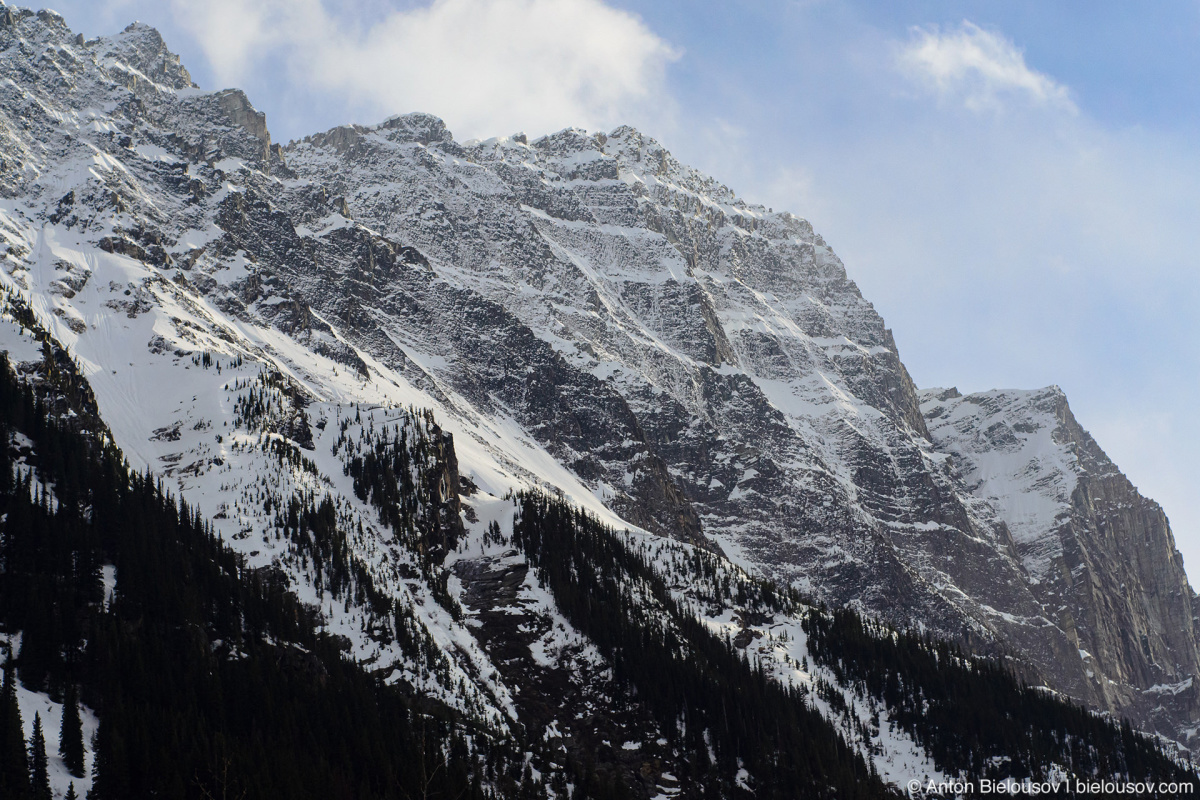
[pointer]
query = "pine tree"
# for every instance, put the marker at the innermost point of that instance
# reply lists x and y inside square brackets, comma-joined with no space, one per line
[70,737]
[14,766]
[71,792]
[39,766]
[109,779]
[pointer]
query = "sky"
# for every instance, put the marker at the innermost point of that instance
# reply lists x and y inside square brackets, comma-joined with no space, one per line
[1014,185]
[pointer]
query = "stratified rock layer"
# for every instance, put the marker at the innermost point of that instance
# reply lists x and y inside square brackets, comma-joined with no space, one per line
[590,316]
[1095,549]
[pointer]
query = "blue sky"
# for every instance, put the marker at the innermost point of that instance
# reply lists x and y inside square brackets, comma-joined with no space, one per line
[1014,185]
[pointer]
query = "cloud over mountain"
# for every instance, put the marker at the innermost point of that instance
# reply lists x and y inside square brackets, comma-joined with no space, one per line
[979,68]
[487,66]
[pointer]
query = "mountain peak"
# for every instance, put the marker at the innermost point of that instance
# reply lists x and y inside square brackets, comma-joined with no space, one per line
[141,47]
[416,126]
[583,313]
[15,15]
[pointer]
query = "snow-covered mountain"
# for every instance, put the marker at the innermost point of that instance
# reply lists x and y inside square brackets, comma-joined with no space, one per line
[583,315]
[1099,556]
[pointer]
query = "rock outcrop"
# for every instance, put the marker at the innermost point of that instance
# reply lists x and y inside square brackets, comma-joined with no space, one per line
[585,315]
[1100,557]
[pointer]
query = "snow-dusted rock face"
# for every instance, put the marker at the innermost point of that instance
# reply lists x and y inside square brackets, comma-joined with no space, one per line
[1094,548]
[705,352]
[583,314]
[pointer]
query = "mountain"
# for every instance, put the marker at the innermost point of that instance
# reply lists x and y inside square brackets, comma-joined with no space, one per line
[1092,546]
[396,372]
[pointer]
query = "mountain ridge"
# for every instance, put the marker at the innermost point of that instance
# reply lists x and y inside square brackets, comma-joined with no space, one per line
[584,313]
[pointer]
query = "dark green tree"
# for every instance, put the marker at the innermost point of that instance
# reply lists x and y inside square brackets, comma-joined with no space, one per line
[70,735]
[39,766]
[71,792]
[14,764]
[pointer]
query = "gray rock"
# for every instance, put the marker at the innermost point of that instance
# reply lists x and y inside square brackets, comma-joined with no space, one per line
[704,366]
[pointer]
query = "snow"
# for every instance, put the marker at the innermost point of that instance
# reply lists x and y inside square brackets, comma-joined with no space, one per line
[743,779]
[20,346]
[1013,457]
[153,152]
[32,703]
[108,577]
[230,164]
[192,238]
[1171,688]
[595,283]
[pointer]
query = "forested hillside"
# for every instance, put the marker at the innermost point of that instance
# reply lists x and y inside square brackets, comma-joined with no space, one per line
[973,716]
[209,679]
[379,464]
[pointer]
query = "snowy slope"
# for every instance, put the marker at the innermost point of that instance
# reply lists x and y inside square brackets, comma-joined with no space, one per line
[748,362]
[39,703]
[1099,555]
[582,314]
[1013,456]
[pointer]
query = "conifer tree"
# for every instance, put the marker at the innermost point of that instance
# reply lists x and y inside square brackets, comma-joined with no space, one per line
[39,767]
[14,766]
[108,779]
[71,792]
[70,737]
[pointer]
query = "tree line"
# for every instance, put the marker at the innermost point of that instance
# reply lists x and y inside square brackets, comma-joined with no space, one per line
[209,679]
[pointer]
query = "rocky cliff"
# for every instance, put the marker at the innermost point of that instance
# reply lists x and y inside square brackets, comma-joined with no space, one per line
[1098,554]
[584,315]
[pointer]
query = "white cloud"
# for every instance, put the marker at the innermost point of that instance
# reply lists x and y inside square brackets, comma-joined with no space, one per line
[487,66]
[978,67]
[230,33]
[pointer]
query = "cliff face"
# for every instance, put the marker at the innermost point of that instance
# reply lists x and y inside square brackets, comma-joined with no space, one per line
[1100,556]
[584,314]
[710,371]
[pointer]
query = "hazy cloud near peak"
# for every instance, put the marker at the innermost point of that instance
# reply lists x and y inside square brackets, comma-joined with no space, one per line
[980,68]
[488,67]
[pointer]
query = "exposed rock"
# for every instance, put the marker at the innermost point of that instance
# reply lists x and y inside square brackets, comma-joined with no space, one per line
[605,321]
[1097,552]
